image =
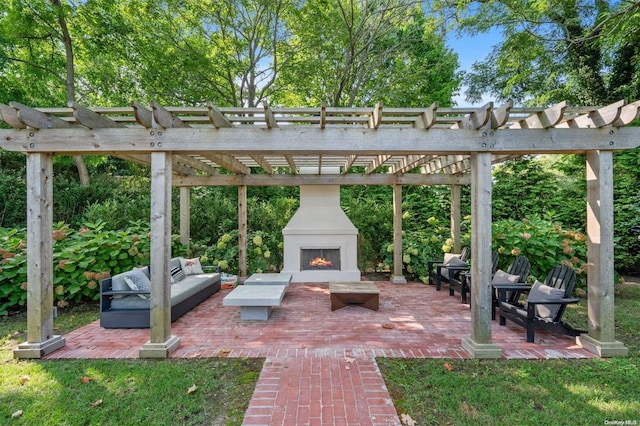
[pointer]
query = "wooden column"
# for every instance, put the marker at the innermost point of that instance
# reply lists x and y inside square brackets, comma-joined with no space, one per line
[40,338]
[600,276]
[398,277]
[161,342]
[185,215]
[479,343]
[242,232]
[455,218]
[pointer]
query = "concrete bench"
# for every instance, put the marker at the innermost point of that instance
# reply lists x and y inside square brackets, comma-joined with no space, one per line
[255,301]
[282,278]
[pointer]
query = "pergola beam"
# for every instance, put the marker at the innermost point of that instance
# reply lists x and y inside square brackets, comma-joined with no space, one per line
[299,179]
[292,141]
[451,146]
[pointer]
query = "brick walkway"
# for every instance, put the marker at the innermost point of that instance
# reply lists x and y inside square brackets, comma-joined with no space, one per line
[320,365]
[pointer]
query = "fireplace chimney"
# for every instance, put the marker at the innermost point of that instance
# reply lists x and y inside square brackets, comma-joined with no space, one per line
[320,226]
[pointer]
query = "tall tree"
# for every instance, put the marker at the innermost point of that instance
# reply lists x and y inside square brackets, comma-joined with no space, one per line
[583,51]
[37,53]
[187,51]
[355,52]
[67,43]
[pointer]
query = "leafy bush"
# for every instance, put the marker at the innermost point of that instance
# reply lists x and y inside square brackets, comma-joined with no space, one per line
[81,258]
[264,252]
[129,201]
[422,245]
[543,242]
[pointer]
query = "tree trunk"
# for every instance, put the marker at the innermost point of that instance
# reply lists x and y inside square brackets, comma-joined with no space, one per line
[83,173]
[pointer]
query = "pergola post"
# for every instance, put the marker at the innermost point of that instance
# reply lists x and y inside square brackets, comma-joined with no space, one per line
[242,232]
[40,338]
[185,215]
[398,277]
[600,278]
[161,342]
[479,344]
[455,217]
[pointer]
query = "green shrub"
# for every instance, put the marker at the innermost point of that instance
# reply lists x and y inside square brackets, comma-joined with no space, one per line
[81,258]
[422,245]
[543,242]
[264,252]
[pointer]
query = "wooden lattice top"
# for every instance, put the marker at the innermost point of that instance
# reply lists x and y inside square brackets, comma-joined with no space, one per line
[204,139]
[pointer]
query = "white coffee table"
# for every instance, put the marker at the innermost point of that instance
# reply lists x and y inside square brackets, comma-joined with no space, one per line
[255,301]
[281,278]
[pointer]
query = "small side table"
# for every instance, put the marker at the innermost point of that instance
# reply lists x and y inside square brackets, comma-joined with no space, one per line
[363,293]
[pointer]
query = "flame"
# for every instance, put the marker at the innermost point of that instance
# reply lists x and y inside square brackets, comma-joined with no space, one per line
[321,261]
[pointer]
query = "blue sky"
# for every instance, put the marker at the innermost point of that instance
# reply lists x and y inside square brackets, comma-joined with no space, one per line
[471,49]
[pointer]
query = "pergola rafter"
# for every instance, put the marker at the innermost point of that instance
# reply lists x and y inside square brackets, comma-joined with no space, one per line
[190,146]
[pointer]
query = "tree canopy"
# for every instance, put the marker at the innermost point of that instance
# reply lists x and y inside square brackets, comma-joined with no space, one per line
[584,51]
[229,52]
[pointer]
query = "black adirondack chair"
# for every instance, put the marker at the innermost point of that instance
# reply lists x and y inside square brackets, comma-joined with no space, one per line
[543,309]
[520,267]
[462,282]
[435,268]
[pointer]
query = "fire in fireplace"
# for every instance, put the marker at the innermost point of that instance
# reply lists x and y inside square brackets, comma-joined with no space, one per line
[327,259]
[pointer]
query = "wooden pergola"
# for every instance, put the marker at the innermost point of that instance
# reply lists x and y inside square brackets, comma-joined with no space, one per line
[188,146]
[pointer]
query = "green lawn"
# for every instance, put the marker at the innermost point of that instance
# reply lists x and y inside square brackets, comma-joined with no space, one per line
[119,392]
[431,391]
[521,392]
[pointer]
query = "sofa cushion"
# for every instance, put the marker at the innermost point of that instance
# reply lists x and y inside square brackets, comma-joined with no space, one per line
[138,280]
[191,285]
[119,284]
[191,266]
[129,302]
[540,291]
[501,277]
[454,261]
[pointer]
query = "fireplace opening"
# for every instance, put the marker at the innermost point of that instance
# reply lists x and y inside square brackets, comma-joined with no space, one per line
[324,259]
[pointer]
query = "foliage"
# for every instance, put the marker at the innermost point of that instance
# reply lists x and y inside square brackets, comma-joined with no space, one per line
[264,252]
[536,186]
[230,52]
[128,199]
[544,243]
[81,258]
[626,169]
[581,51]
[375,50]
[13,203]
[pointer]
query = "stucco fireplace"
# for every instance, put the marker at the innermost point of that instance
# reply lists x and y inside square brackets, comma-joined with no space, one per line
[320,242]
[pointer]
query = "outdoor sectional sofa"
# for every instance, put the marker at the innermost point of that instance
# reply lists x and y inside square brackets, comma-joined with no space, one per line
[124,303]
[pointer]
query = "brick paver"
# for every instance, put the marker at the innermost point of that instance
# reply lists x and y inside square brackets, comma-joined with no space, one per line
[320,364]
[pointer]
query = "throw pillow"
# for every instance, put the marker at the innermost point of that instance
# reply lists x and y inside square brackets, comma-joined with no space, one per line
[540,291]
[177,274]
[454,261]
[501,277]
[191,266]
[118,283]
[137,280]
[449,256]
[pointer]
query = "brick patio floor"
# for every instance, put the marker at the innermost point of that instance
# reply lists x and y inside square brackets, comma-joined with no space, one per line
[320,364]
